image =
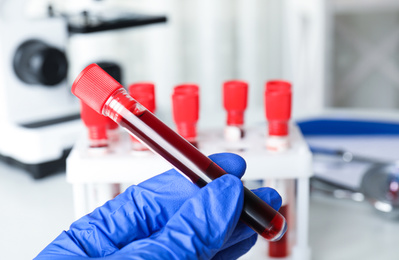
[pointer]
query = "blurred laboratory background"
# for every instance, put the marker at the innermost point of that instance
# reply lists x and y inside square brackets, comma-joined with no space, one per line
[341,56]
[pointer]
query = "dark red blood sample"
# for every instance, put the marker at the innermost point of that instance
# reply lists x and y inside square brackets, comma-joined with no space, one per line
[107,96]
[256,213]
[280,248]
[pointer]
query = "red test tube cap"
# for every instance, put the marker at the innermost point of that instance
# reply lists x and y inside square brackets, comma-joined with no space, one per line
[144,93]
[185,100]
[235,96]
[186,88]
[94,86]
[278,106]
[96,123]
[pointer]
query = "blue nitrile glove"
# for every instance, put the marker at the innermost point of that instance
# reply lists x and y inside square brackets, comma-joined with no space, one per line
[167,217]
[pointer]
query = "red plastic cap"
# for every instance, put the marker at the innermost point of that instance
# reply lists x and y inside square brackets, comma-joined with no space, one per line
[185,102]
[144,93]
[95,122]
[278,97]
[186,88]
[94,86]
[235,96]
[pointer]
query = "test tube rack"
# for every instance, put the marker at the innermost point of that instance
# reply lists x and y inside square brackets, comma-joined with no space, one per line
[119,164]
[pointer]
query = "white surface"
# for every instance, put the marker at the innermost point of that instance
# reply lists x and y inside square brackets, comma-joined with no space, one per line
[32,213]
[347,230]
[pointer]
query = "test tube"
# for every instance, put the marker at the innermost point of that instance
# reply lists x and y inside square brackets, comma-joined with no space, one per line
[96,125]
[235,93]
[144,93]
[281,248]
[185,107]
[278,112]
[105,95]
[112,131]
[142,88]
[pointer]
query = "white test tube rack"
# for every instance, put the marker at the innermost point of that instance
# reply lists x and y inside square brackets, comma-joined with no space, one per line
[121,165]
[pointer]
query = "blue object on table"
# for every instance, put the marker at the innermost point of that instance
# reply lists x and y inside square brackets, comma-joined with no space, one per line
[326,126]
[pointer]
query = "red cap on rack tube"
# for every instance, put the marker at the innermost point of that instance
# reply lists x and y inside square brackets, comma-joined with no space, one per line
[96,124]
[278,106]
[186,88]
[144,93]
[235,96]
[185,100]
[85,87]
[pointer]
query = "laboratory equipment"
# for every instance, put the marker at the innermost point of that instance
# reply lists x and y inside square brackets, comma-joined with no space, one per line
[127,168]
[235,99]
[345,147]
[39,117]
[185,108]
[112,100]
[379,187]
[106,35]
[367,172]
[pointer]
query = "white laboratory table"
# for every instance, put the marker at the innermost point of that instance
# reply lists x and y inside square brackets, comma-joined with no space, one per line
[33,213]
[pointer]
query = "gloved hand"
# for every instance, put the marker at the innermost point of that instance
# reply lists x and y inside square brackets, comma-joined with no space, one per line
[167,217]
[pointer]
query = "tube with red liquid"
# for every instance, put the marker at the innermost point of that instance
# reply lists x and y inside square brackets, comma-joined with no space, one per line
[98,127]
[144,93]
[185,107]
[235,95]
[278,113]
[105,95]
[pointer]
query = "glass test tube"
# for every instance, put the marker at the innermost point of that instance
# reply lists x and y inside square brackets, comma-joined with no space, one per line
[278,112]
[96,125]
[144,93]
[185,107]
[235,96]
[105,95]
[99,141]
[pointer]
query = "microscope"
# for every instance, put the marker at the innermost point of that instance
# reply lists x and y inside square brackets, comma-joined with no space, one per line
[39,116]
